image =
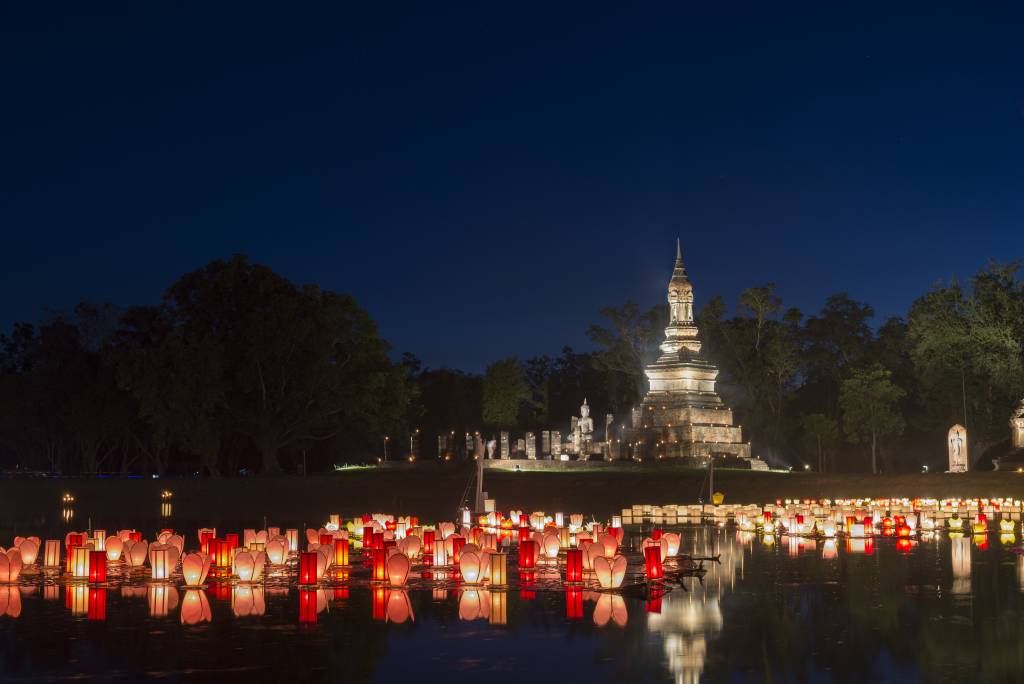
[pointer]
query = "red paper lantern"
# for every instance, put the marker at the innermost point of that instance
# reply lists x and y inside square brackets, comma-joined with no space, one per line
[326,540]
[527,554]
[97,567]
[220,549]
[380,565]
[135,536]
[367,537]
[524,534]
[457,543]
[232,541]
[656,534]
[307,567]
[390,525]
[367,518]
[414,521]
[428,558]
[652,563]
[574,565]
[97,604]
[574,604]
[389,544]
[307,604]
[428,539]
[204,541]
[767,516]
[341,552]
[377,541]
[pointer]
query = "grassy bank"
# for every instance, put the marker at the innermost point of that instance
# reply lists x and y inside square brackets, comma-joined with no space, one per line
[433,492]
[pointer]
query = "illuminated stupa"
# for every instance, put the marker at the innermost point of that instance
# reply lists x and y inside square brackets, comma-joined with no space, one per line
[682,415]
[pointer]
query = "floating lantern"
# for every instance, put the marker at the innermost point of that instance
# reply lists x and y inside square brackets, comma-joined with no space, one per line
[341,553]
[277,551]
[527,554]
[610,571]
[440,553]
[114,546]
[470,564]
[292,535]
[672,542]
[308,567]
[249,566]
[652,563]
[497,562]
[397,568]
[457,542]
[159,562]
[10,566]
[205,535]
[552,544]
[590,552]
[221,553]
[194,568]
[609,543]
[573,566]
[97,567]
[379,567]
[79,562]
[28,548]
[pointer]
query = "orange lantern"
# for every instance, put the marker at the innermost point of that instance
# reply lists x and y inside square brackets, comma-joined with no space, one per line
[341,553]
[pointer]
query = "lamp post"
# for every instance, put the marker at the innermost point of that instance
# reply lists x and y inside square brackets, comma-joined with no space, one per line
[385,448]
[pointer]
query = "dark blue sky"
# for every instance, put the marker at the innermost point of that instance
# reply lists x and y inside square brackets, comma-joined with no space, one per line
[485,177]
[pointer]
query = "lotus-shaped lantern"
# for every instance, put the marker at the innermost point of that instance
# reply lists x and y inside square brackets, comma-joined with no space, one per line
[195,567]
[28,547]
[610,571]
[10,566]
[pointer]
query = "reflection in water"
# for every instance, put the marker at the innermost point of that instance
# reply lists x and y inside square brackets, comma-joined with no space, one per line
[195,608]
[247,600]
[10,600]
[399,606]
[960,547]
[611,607]
[162,599]
[689,620]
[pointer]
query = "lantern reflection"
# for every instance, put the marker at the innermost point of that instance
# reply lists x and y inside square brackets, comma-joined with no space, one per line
[960,551]
[162,599]
[195,608]
[247,600]
[610,607]
[10,600]
[399,607]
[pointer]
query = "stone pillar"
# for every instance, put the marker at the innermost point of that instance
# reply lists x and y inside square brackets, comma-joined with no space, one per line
[531,446]
[503,446]
[520,447]
[545,442]
[556,444]
[442,445]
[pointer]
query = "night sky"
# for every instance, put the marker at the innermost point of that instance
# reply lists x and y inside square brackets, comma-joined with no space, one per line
[483,177]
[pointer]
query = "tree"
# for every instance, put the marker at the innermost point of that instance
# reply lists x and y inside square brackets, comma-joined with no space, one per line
[629,341]
[505,390]
[868,399]
[966,347]
[820,434]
